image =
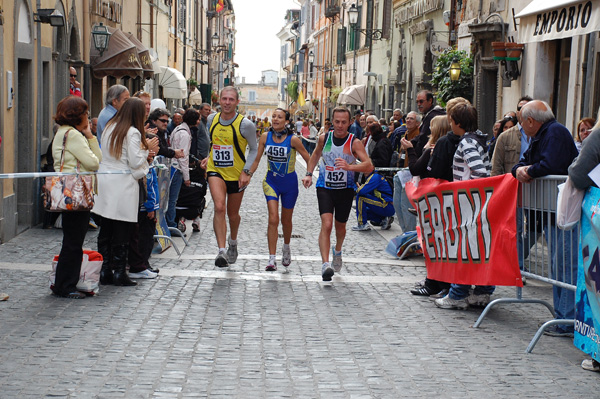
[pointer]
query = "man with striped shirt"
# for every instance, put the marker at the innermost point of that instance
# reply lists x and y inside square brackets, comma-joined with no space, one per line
[471,161]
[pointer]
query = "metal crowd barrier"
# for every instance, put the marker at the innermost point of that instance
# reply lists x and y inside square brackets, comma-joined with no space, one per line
[539,241]
[159,166]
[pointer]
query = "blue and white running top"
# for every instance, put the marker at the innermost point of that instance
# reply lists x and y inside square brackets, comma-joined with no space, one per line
[330,176]
[281,156]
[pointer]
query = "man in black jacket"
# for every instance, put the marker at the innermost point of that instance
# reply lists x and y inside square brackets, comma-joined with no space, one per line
[550,152]
[426,106]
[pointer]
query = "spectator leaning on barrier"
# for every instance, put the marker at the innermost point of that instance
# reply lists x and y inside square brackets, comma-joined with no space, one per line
[471,161]
[550,152]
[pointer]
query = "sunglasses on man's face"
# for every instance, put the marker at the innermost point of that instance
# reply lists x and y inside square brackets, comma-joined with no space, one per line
[73,76]
[420,101]
[164,120]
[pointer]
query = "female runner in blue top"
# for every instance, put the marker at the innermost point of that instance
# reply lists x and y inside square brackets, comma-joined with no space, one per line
[281,181]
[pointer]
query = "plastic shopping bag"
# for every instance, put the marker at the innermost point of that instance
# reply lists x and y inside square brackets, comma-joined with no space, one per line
[89,276]
[568,205]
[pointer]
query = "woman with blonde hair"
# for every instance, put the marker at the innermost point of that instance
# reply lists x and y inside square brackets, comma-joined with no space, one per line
[124,148]
[418,165]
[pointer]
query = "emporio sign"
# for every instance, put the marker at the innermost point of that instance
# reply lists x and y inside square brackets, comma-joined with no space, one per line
[571,19]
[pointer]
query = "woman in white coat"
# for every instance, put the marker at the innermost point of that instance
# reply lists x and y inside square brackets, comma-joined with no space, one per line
[124,148]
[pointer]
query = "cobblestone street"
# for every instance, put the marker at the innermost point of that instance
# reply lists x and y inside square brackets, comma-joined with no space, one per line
[245,333]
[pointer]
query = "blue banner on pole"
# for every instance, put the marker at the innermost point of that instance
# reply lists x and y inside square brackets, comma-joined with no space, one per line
[587,313]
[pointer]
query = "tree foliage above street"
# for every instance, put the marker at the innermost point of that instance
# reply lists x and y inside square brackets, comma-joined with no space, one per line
[446,88]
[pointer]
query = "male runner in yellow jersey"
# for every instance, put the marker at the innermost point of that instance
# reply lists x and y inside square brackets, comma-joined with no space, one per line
[228,169]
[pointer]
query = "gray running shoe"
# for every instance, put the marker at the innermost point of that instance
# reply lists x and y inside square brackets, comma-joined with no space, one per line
[286,258]
[327,272]
[387,223]
[232,252]
[337,260]
[221,260]
[449,303]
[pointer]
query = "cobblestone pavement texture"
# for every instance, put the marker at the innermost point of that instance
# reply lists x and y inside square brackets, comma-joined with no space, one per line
[245,333]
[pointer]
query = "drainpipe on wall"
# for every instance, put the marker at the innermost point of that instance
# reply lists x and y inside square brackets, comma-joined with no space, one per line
[87,75]
[38,155]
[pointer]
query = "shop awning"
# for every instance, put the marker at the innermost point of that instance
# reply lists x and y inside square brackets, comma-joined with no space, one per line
[173,83]
[118,60]
[353,95]
[545,20]
[143,56]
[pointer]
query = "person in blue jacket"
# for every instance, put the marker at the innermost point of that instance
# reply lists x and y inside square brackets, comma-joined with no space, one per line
[374,202]
[141,244]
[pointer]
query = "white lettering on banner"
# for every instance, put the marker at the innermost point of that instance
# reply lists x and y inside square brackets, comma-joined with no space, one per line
[568,21]
[443,236]
[587,331]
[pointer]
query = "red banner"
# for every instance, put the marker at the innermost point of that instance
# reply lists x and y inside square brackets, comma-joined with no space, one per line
[468,229]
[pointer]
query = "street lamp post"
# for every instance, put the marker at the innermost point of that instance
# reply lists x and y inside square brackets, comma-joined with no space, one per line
[373,34]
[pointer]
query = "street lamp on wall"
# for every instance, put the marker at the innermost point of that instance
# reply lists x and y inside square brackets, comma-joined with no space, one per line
[373,34]
[455,70]
[214,40]
[49,16]
[101,37]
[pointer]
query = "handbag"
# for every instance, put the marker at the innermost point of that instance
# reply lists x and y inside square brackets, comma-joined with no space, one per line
[68,193]
[568,205]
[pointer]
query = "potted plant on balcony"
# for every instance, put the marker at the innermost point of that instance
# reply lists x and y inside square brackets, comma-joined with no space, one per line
[214,97]
[315,103]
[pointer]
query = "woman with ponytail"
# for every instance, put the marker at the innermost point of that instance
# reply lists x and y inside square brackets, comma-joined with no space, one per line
[281,180]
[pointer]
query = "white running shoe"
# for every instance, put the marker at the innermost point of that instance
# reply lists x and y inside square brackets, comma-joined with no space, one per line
[286,258]
[147,274]
[449,303]
[361,227]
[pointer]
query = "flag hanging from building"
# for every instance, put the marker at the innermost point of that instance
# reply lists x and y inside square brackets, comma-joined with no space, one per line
[301,101]
[220,6]
[468,229]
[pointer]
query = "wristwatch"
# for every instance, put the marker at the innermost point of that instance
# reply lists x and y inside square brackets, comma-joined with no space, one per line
[247,171]
[308,174]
